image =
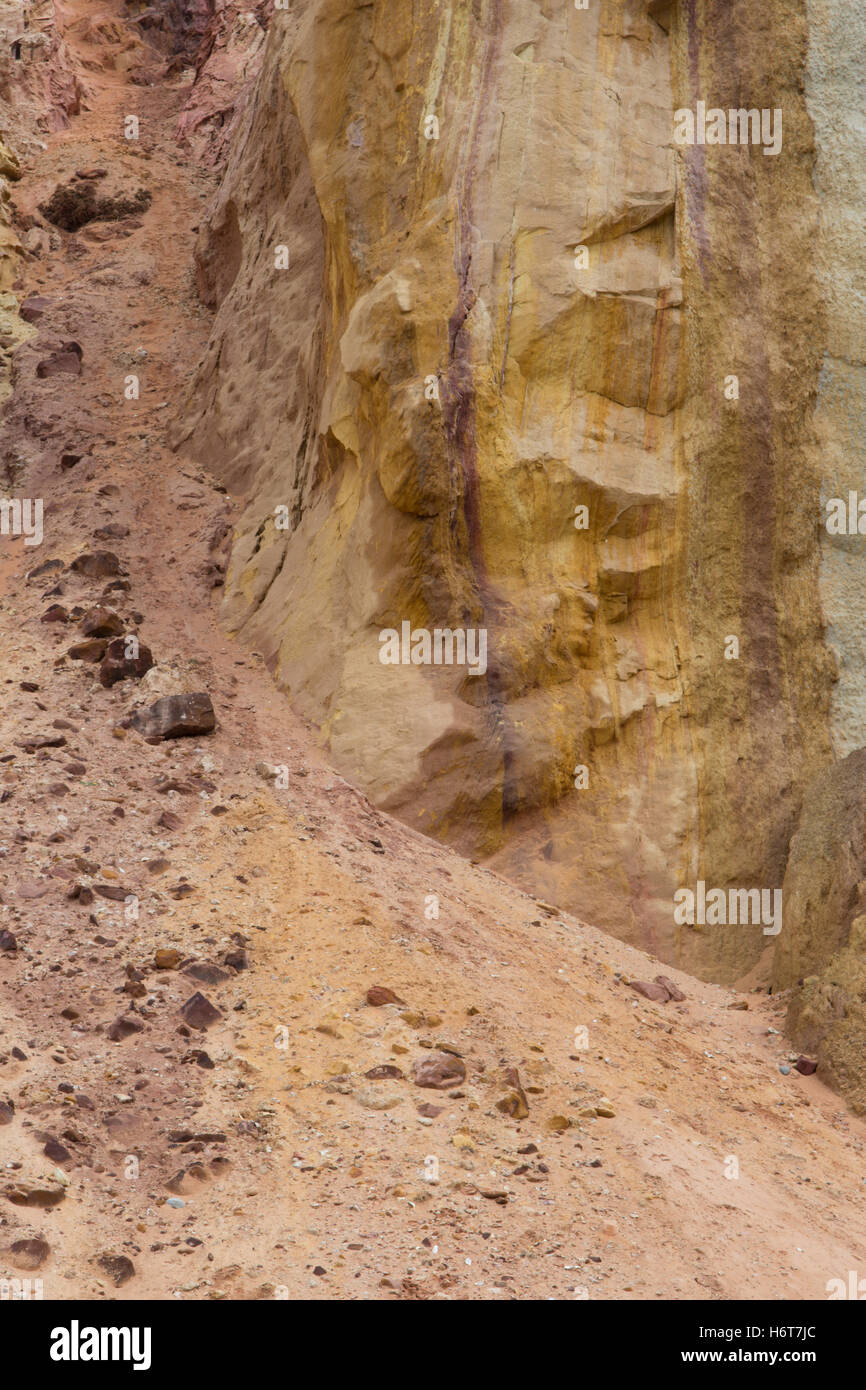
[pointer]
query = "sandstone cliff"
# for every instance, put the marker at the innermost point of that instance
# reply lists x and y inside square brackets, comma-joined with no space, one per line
[506,294]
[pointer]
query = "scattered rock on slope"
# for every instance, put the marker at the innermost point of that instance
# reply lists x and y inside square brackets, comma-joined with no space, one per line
[439,1071]
[117,666]
[175,716]
[72,205]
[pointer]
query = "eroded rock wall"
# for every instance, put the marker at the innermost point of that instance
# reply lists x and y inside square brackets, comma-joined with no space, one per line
[835,97]
[416,378]
[227,62]
[750,520]
[821,954]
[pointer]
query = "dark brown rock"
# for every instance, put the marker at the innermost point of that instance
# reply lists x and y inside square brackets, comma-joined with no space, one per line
[27,1253]
[119,1267]
[674,992]
[117,666]
[175,716]
[206,973]
[55,614]
[377,995]
[33,307]
[650,990]
[57,1152]
[199,1012]
[92,650]
[99,564]
[101,622]
[74,204]
[113,891]
[24,1194]
[123,1027]
[114,531]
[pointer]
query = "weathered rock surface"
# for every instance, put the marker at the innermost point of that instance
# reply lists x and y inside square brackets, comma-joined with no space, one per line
[825,882]
[26,1252]
[228,60]
[199,1012]
[453,379]
[821,951]
[96,565]
[439,1071]
[116,665]
[176,716]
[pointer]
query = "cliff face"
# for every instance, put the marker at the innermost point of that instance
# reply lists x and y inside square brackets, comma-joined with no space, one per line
[751,518]
[821,953]
[227,62]
[477,317]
